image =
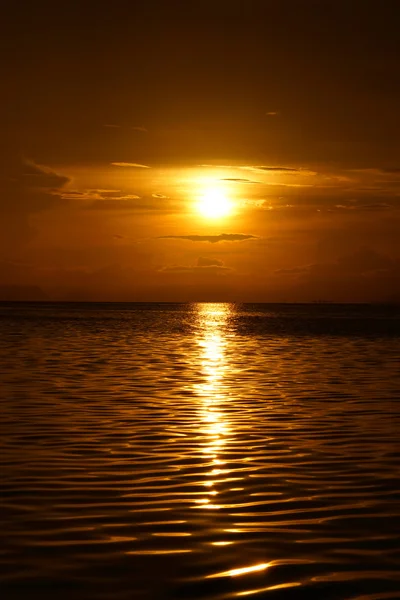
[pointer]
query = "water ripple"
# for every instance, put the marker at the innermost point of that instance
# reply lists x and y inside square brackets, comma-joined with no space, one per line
[200,451]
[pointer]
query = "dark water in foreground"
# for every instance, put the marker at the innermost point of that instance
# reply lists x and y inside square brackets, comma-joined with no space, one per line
[200,451]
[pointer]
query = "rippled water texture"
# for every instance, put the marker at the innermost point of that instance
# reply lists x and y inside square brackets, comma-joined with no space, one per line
[200,451]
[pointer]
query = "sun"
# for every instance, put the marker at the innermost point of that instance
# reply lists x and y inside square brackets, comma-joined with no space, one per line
[214,204]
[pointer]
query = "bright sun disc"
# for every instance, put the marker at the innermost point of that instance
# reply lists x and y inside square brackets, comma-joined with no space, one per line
[214,204]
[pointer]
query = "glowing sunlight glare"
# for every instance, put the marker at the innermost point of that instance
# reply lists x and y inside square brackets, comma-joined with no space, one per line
[214,204]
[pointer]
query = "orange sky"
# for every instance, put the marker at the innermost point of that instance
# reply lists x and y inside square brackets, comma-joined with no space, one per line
[222,153]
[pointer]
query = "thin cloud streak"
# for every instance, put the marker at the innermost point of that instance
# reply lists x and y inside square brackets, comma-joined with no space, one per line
[130,165]
[212,239]
[238,180]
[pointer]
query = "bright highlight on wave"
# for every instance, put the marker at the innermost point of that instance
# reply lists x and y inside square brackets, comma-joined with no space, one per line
[214,204]
[242,571]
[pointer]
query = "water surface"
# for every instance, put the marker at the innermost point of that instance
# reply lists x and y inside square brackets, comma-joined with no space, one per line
[200,451]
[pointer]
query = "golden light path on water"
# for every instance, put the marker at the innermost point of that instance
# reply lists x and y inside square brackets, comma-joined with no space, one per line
[212,319]
[214,343]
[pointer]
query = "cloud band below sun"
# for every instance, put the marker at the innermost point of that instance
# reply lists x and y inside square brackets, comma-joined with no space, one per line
[212,239]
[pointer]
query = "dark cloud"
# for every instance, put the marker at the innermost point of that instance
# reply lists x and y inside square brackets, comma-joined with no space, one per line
[394,171]
[205,261]
[238,180]
[362,275]
[212,239]
[25,188]
[38,176]
[362,261]
[372,206]
[211,270]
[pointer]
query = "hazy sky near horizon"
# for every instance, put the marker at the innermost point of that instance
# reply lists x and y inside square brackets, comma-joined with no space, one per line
[221,150]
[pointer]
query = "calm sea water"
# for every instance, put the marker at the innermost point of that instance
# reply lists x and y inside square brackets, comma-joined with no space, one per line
[199,451]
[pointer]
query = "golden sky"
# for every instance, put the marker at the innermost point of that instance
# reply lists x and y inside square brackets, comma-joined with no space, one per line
[226,152]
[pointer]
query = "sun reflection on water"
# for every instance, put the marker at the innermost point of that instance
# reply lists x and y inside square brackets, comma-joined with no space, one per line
[212,320]
[215,430]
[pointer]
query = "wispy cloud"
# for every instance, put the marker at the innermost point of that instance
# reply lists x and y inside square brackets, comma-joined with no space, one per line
[372,206]
[376,170]
[211,270]
[100,194]
[262,169]
[79,195]
[139,128]
[126,197]
[279,169]
[131,165]
[238,180]
[204,266]
[212,239]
